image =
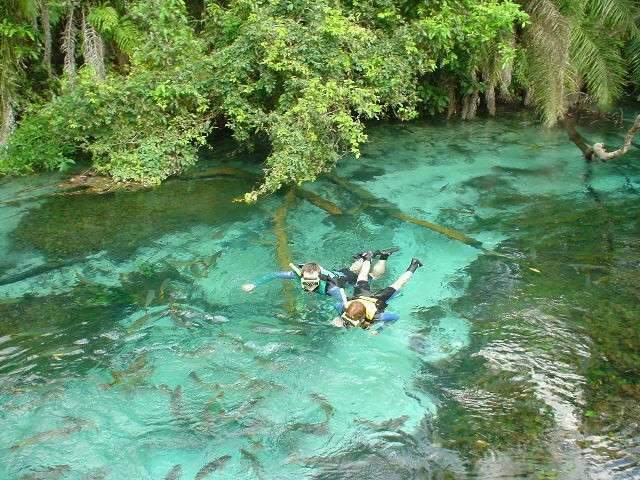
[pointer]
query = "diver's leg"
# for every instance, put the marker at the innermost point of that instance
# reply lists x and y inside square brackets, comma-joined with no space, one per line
[365,268]
[381,265]
[356,265]
[379,268]
[406,276]
[362,286]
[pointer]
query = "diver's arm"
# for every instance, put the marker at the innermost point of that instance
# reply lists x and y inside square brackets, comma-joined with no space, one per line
[288,275]
[335,291]
[342,297]
[389,317]
[384,319]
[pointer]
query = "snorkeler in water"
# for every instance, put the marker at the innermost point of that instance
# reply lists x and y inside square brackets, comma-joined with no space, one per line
[314,278]
[366,308]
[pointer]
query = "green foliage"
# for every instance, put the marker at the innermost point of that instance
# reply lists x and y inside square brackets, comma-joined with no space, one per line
[142,127]
[121,30]
[308,75]
[305,75]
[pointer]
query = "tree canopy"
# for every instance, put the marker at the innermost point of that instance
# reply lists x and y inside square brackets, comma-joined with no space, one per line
[136,87]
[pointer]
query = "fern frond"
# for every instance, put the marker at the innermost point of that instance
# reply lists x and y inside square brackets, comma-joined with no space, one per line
[126,35]
[104,18]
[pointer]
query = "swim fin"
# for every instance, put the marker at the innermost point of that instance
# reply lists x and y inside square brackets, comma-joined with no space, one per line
[385,253]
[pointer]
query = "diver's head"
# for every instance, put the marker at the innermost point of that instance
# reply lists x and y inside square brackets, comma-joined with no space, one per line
[355,314]
[310,276]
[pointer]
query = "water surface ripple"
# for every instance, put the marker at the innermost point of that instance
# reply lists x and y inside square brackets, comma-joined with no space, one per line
[128,350]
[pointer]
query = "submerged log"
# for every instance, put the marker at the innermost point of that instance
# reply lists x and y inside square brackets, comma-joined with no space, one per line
[283,252]
[375,202]
[318,201]
[219,172]
[36,271]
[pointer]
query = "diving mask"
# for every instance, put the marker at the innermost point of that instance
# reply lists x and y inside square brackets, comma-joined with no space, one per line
[310,284]
[348,322]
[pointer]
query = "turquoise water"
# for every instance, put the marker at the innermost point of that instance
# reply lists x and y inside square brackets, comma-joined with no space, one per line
[128,349]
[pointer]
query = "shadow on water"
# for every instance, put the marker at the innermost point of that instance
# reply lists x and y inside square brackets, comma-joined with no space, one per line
[120,222]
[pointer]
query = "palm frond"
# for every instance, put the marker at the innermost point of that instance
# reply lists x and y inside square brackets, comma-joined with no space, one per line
[615,13]
[547,51]
[598,61]
[632,53]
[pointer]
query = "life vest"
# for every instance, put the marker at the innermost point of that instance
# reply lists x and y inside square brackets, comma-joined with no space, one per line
[370,306]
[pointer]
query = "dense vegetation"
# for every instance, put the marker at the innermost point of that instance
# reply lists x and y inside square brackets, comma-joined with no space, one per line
[136,87]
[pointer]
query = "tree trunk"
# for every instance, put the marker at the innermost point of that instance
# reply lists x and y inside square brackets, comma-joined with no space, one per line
[470,107]
[69,47]
[490,98]
[506,75]
[569,124]
[464,112]
[600,152]
[8,122]
[453,102]
[46,29]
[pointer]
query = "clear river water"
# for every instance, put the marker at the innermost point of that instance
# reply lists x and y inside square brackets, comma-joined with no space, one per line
[129,351]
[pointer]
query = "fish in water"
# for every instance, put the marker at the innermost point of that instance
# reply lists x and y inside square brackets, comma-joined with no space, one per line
[207,413]
[176,404]
[251,457]
[200,267]
[215,387]
[211,467]
[133,373]
[175,473]
[76,425]
[326,407]
[50,473]
[240,411]
[97,474]
[151,295]
[162,289]
[143,320]
[319,428]
[387,425]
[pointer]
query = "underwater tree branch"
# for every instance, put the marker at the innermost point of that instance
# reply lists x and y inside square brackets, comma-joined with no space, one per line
[601,152]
